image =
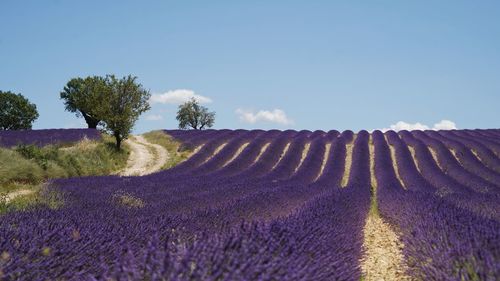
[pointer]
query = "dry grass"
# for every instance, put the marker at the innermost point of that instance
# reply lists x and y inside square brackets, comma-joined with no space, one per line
[128,200]
[20,192]
[32,195]
[84,145]
[29,167]
[172,146]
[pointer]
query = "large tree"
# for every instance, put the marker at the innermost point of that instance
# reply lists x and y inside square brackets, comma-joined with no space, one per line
[123,101]
[192,115]
[83,95]
[16,112]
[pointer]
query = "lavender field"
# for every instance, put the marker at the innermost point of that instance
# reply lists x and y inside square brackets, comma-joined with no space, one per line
[10,138]
[272,205]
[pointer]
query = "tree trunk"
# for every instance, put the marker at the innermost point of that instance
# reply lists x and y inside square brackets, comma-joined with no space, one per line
[118,141]
[91,122]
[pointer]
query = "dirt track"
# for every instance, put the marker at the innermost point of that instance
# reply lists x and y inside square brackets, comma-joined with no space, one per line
[14,194]
[145,157]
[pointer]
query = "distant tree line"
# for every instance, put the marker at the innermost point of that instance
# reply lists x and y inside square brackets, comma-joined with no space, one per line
[114,104]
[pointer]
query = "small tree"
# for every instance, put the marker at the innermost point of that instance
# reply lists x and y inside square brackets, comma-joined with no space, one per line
[83,96]
[16,112]
[193,115]
[123,101]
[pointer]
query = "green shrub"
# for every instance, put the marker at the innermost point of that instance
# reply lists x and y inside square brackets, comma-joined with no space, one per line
[14,167]
[33,152]
[28,166]
[31,164]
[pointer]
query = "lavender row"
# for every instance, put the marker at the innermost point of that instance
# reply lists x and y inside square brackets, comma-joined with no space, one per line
[46,137]
[453,168]
[247,156]
[193,138]
[486,155]
[490,132]
[198,181]
[485,205]
[216,161]
[335,165]
[206,151]
[482,135]
[467,159]
[410,175]
[494,146]
[291,159]
[441,241]
[311,165]
[238,182]
[271,156]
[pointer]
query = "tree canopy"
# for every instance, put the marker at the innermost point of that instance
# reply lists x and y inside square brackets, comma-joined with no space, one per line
[16,112]
[124,100]
[113,103]
[83,96]
[192,115]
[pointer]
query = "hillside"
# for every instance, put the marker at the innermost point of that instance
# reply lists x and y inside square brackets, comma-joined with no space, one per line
[31,158]
[276,205]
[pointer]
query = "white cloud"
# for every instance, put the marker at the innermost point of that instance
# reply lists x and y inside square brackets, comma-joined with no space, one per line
[445,125]
[178,96]
[274,116]
[441,125]
[401,125]
[154,117]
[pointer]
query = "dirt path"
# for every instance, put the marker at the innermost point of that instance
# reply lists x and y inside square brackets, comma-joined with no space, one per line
[17,193]
[145,157]
[383,259]
[348,163]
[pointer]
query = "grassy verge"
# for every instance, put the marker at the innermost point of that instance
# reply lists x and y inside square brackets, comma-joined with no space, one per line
[171,145]
[29,167]
[40,196]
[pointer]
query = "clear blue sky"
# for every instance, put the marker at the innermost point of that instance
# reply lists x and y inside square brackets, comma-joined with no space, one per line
[326,64]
